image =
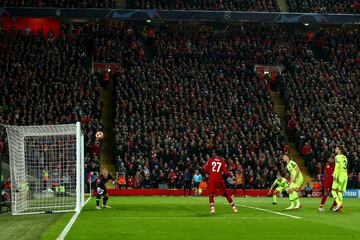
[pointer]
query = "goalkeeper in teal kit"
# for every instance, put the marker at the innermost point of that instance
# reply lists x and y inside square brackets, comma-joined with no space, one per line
[295,183]
[282,185]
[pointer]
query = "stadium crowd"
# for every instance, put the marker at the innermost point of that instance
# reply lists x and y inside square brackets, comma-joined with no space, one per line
[197,93]
[192,91]
[325,6]
[214,5]
[59,3]
[318,6]
[171,107]
[45,80]
[322,97]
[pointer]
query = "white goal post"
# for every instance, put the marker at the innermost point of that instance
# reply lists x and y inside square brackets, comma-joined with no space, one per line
[46,168]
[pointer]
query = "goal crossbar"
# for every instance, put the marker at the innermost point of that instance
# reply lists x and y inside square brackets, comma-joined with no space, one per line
[63,129]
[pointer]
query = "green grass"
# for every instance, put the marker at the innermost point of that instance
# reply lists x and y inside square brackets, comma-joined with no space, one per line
[189,218]
[31,227]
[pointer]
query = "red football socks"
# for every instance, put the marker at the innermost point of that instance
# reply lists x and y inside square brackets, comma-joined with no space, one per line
[323,200]
[211,200]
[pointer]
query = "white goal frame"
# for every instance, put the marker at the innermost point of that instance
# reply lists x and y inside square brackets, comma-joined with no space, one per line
[16,141]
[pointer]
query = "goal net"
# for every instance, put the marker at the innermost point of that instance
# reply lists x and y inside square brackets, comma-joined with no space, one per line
[46,168]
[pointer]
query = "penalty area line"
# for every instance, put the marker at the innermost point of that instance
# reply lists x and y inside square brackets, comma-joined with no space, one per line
[270,211]
[70,223]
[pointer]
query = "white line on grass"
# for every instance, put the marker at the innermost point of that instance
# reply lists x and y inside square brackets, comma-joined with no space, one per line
[70,223]
[208,217]
[266,210]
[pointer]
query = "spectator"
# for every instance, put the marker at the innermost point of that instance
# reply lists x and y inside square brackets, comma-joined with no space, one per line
[45,178]
[325,6]
[137,180]
[259,182]
[5,201]
[187,181]
[172,177]
[292,128]
[66,180]
[317,185]
[306,151]
[307,190]
[146,183]
[202,186]
[122,181]
[230,183]
[7,184]
[163,184]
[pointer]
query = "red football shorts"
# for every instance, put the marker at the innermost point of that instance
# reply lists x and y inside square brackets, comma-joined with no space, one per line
[217,185]
[328,185]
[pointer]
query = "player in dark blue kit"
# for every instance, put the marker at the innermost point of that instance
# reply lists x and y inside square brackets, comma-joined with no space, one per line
[101,188]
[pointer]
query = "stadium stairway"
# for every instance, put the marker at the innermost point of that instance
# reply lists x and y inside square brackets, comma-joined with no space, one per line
[279,107]
[284,7]
[106,156]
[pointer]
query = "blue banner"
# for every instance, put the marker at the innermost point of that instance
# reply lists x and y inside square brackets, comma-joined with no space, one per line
[351,193]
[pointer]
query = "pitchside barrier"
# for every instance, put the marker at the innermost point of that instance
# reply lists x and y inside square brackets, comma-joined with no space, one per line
[180,192]
[315,193]
[352,193]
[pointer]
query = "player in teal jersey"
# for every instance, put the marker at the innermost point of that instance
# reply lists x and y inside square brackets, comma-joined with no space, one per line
[340,177]
[282,184]
[295,183]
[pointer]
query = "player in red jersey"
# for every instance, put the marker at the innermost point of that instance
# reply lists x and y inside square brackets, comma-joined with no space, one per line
[328,180]
[216,167]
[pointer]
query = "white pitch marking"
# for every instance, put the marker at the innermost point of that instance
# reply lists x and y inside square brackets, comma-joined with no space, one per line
[210,217]
[266,210]
[70,223]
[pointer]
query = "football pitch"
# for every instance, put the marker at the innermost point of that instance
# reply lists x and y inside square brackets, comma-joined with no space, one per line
[189,218]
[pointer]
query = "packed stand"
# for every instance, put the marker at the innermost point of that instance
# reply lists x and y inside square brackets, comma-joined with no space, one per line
[44,81]
[325,6]
[116,43]
[59,3]
[196,94]
[212,5]
[322,96]
[172,110]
